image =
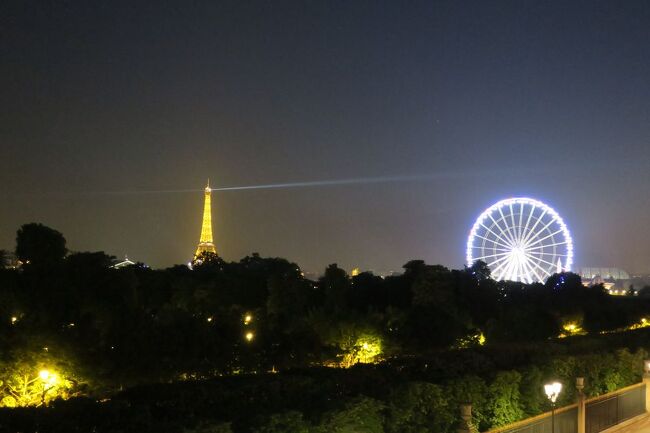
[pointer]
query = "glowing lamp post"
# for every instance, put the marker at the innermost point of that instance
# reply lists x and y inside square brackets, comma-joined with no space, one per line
[552,391]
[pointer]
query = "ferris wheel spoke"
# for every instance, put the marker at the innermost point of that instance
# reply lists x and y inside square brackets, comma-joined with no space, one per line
[519,226]
[540,231]
[514,224]
[493,241]
[491,255]
[526,271]
[505,221]
[496,261]
[518,274]
[529,263]
[544,261]
[532,229]
[541,254]
[482,246]
[496,270]
[503,232]
[496,224]
[545,246]
[544,238]
[530,215]
[505,268]
[540,268]
[505,242]
[516,271]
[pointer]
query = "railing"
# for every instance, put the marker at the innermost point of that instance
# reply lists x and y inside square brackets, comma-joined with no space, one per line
[591,415]
[566,421]
[608,410]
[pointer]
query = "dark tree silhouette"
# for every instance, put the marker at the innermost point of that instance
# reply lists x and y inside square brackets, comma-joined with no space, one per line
[39,245]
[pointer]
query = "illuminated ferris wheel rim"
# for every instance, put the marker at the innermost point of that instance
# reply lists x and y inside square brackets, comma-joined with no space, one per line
[522,201]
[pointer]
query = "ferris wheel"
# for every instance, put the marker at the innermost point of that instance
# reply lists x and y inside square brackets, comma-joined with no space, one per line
[521,239]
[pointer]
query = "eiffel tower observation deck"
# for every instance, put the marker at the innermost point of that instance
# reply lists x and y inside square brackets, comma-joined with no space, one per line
[205,242]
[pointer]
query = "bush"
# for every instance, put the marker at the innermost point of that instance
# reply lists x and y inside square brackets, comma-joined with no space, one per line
[287,422]
[469,389]
[360,415]
[419,407]
[208,427]
[504,398]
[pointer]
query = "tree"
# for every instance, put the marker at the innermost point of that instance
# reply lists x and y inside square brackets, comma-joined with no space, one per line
[360,415]
[210,427]
[33,378]
[287,422]
[39,245]
[208,261]
[419,407]
[505,399]
[88,263]
[480,270]
[335,284]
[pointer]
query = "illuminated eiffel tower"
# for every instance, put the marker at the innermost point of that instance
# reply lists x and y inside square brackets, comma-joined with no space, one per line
[205,242]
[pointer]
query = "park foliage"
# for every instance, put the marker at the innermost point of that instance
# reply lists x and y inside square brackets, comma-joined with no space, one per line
[254,346]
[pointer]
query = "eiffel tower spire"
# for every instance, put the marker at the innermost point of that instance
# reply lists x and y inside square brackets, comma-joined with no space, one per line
[205,242]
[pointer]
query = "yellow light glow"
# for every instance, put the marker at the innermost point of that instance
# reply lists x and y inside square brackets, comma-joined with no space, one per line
[470,341]
[365,349]
[47,376]
[643,323]
[571,328]
[14,319]
[28,389]
[248,318]
[250,336]
[355,272]
[209,319]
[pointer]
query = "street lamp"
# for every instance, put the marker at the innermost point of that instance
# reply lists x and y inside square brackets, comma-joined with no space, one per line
[552,391]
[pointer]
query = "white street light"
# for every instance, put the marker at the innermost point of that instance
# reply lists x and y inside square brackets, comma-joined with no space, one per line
[552,391]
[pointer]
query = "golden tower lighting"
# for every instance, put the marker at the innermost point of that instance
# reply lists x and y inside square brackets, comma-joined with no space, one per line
[205,242]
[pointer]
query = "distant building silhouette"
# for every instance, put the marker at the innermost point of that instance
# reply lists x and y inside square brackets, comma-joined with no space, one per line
[613,279]
[122,264]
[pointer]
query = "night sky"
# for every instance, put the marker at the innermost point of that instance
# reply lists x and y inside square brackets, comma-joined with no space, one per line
[104,101]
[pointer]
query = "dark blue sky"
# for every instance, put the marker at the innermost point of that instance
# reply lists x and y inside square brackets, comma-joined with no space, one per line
[549,99]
